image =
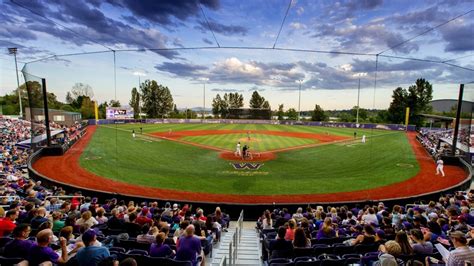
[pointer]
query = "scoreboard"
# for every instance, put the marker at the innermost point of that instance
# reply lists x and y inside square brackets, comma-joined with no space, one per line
[119,113]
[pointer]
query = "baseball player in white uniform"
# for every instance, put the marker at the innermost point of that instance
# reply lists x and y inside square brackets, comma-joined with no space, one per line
[363,138]
[439,167]
[238,152]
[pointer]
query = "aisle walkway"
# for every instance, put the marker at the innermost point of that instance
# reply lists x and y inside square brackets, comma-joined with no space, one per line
[248,252]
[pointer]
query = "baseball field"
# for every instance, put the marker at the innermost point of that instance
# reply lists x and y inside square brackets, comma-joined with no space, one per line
[193,163]
[289,164]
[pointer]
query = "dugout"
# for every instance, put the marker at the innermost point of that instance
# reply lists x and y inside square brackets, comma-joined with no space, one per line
[249,113]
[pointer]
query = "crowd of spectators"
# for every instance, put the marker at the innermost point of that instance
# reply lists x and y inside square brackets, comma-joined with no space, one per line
[46,224]
[374,232]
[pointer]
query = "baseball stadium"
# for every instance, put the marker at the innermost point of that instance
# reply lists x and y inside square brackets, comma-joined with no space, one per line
[224,133]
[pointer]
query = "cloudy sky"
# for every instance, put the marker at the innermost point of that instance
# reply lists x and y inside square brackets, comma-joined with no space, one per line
[328,45]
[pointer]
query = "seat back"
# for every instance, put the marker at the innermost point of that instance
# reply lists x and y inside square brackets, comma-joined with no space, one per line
[303,252]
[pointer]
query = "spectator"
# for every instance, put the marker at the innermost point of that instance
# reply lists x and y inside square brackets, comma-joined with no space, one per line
[402,239]
[42,252]
[327,230]
[367,236]
[91,254]
[86,218]
[189,246]
[300,240]
[462,252]
[290,230]
[159,249]
[390,250]
[280,243]
[20,246]
[7,224]
[420,246]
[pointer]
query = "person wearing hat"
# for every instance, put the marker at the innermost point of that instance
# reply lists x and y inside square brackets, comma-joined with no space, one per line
[91,254]
[462,252]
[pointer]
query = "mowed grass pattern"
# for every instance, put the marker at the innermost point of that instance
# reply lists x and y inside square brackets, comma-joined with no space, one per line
[257,142]
[148,161]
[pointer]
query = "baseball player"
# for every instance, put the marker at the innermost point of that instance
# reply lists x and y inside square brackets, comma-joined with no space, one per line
[363,138]
[237,152]
[439,166]
[133,133]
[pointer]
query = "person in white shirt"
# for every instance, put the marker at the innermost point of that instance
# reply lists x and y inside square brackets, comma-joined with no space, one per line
[363,138]
[439,166]
[238,152]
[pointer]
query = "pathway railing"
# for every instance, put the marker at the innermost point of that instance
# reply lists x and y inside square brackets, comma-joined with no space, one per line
[234,244]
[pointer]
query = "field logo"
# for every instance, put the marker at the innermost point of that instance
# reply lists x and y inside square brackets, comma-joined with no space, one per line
[247,166]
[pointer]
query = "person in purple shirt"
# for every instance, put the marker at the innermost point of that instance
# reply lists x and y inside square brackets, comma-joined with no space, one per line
[159,249]
[327,230]
[188,246]
[20,246]
[42,252]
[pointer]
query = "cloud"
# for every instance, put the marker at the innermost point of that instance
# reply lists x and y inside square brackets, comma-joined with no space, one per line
[164,11]
[459,37]
[181,69]
[207,41]
[369,38]
[90,22]
[297,26]
[225,90]
[255,88]
[221,28]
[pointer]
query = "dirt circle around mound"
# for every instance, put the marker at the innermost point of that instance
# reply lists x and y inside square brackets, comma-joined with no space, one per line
[256,157]
[251,140]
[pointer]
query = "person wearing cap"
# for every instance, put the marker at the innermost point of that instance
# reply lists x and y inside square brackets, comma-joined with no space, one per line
[462,252]
[42,252]
[91,254]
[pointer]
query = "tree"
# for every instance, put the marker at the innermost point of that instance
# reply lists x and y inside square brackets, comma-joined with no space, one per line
[234,100]
[280,112]
[69,98]
[216,105]
[87,108]
[318,114]
[256,101]
[397,106]
[115,103]
[157,99]
[417,98]
[363,114]
[102,109]
[81,89]
[292,114]
[266,105]
[135,102]
[346,117]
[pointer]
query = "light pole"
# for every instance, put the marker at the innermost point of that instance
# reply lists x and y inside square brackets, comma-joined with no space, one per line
[139,74]
[299,99]
[358,95]
[203,95]
[13,51]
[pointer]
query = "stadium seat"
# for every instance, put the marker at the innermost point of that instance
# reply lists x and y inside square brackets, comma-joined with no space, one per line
[341,249]
[303,252]
[321,249]
[280,262]
[307,261]
[9,261]
[331,260]
[363,249]
[172,262]
[137,252]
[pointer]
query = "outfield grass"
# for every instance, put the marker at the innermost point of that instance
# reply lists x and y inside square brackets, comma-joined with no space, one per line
[114,154]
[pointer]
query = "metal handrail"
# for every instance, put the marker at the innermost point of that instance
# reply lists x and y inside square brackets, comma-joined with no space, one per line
[223,261]
[63,197]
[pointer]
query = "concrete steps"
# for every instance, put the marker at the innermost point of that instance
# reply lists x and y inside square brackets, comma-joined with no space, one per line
[248,251]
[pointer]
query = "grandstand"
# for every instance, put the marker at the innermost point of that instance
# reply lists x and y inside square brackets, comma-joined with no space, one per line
[265,133]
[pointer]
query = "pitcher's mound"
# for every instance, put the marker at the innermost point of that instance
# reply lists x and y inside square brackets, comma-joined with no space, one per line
[256,157]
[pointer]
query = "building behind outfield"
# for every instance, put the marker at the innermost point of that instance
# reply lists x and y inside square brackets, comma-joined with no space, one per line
[57,116]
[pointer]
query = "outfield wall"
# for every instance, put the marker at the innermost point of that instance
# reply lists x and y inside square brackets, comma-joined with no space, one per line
[397,127]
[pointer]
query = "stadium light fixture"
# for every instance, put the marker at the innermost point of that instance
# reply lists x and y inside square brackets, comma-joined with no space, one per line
[358,75]
[204,80]
[13,51]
